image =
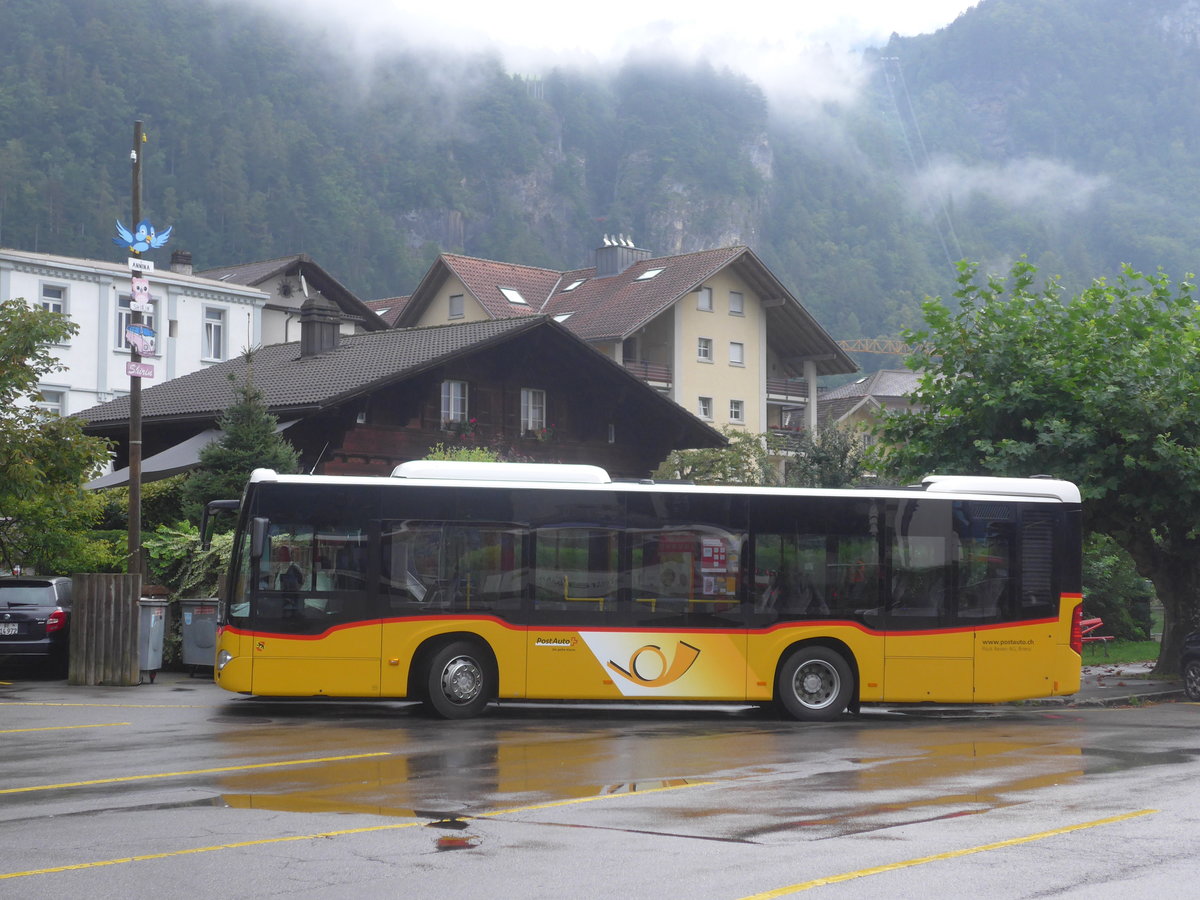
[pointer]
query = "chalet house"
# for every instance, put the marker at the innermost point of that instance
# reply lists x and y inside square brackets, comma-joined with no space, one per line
[288,281]
[713,330]
[363,403]
[196,322]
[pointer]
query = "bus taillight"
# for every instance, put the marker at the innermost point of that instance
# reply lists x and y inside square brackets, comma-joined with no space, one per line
[1077,629]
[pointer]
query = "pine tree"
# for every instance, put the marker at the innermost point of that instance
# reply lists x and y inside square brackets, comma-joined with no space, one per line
[250,442]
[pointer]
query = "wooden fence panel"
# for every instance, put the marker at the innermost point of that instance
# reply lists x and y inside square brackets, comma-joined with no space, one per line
[104,629]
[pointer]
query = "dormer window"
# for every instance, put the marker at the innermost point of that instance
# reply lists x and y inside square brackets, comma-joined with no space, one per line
[648,274]
[512,295]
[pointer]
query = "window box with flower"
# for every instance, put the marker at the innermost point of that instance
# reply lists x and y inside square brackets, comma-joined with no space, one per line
[462,428]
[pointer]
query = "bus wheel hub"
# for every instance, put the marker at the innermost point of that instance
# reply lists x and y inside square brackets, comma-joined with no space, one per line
[811,684]
[461,680]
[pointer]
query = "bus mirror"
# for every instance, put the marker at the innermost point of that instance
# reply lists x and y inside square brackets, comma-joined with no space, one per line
[210,509]
[258,539]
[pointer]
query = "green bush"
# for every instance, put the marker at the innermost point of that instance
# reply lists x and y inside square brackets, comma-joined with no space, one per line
[162,502]
[1114,591]
[178,562]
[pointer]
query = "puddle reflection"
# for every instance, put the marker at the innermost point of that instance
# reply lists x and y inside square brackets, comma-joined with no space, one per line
[917,774]
[812,782]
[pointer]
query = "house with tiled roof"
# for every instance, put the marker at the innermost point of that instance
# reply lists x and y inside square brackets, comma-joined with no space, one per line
[858,403]
[363,403]
[288,281]
[388,309]
[713,330]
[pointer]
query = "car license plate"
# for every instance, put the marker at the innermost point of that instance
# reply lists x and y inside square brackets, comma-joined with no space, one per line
[8,627]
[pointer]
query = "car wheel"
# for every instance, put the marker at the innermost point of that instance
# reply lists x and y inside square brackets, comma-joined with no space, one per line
[459,682]
[1191,679]
[814,684]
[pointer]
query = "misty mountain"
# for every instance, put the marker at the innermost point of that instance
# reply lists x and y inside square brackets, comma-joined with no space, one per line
[1060,129]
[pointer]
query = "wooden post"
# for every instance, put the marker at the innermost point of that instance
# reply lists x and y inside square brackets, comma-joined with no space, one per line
[135,385]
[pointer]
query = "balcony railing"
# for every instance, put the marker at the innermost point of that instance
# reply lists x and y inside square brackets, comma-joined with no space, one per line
[786,387]
[656,373]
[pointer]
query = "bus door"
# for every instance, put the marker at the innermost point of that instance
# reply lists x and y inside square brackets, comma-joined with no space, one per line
[312,630]
[928,654]
[640,612]
[576,597]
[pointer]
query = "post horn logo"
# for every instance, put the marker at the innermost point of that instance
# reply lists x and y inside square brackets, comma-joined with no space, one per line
[651,675]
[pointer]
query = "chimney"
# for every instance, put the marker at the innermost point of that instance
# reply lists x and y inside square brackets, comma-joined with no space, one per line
[320,326]
[181,262]
[616,255]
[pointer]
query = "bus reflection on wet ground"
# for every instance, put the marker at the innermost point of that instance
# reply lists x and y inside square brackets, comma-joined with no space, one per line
[898,770]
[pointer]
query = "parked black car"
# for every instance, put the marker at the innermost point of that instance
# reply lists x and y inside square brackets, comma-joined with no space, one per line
[35,618]
[1189,665]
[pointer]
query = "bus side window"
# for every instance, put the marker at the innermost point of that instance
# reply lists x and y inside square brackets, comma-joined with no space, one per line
[922,581]
[790,577]
[576,571]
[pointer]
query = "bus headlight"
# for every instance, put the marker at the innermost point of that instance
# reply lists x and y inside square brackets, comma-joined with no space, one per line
[223,659]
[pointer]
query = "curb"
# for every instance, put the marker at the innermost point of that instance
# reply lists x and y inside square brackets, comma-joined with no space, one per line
[1171,695]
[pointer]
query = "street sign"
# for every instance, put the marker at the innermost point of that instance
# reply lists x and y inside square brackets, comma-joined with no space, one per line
[139,370]
[141,338]
[139,295]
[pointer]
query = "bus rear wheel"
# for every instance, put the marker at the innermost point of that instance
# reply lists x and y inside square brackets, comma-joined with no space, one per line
[458,681]
[814,684]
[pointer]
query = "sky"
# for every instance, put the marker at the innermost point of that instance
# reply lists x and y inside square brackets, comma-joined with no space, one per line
[803,49]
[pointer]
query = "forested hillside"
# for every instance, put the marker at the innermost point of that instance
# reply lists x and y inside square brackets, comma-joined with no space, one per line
[1063,129]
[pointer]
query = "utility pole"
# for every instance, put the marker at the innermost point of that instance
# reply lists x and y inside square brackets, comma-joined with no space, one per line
[136,566]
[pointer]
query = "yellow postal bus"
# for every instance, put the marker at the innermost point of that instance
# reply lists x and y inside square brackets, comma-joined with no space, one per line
[462,583]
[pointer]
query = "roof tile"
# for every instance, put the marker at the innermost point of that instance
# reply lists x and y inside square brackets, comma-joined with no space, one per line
[289,382]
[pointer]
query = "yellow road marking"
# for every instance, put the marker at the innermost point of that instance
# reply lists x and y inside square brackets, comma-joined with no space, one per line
[193,850]
[125,778]
[325,834]
[909,863]
[62,727]
[575,800]
[107,705]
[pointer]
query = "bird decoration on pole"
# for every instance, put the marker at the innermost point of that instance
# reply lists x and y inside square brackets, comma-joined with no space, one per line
[143,237]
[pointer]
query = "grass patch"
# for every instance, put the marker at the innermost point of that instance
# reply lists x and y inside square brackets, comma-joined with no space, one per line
[1113,652]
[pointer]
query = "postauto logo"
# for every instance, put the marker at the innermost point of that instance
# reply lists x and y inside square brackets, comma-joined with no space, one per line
[641,667]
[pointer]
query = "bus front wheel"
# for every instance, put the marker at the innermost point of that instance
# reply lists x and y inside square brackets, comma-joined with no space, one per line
[458,681]
[814,684]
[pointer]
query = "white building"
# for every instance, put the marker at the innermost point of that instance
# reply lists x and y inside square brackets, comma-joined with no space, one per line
[196,321]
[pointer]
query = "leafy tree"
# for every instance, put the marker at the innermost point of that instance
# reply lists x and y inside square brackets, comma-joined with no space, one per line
[747,459]
[833,458]
[250,442]
[44,459]
[1113,590]
[1102,389]
[161,502]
